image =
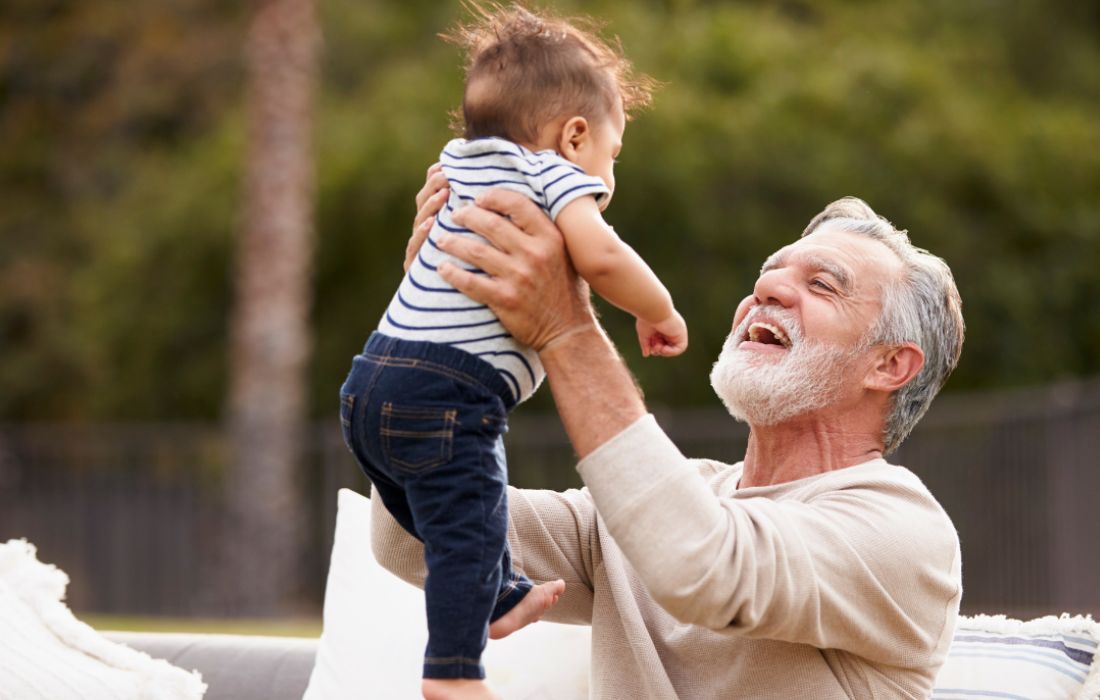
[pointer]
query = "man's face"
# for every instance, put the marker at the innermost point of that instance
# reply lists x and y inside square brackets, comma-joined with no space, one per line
[799,341]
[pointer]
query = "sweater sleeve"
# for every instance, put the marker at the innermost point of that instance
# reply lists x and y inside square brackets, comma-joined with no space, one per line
[551,535]
[870,569]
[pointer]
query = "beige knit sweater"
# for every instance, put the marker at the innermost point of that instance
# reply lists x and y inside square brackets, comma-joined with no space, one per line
[841,585]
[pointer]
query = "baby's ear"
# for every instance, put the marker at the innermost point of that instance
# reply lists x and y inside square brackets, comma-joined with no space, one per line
[573,137]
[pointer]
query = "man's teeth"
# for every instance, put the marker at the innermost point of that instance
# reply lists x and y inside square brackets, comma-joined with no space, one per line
[760,332]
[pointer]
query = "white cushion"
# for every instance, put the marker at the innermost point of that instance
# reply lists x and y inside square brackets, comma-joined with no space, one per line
[375,631]
[47,654]
[997,657]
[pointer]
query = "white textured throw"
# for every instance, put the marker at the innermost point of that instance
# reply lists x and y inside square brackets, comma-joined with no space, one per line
[47,654]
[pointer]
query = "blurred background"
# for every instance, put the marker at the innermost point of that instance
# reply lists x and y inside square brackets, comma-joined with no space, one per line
[204,207]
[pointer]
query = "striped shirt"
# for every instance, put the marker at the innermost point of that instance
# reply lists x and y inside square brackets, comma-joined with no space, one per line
[426,308]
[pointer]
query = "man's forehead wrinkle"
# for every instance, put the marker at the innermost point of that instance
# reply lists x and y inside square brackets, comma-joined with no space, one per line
[833,267]
[862,253]
[813,260]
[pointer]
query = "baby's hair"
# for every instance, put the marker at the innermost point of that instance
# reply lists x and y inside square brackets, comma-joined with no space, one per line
[524,69]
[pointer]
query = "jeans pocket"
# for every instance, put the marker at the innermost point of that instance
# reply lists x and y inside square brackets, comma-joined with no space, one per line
[347,408]
[415,438]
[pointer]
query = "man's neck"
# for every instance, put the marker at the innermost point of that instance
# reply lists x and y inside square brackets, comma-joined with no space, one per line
[798,449]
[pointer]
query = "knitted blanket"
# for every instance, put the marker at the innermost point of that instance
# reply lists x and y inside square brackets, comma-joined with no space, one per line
[48,654]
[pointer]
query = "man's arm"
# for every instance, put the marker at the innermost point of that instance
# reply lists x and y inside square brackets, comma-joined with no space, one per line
[868,565]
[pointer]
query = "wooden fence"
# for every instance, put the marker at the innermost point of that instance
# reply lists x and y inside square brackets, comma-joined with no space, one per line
[130,511]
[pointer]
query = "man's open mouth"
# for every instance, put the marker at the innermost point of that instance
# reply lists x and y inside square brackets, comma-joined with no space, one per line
[767,334]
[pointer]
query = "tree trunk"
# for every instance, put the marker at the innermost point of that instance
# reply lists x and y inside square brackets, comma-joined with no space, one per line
[271,341]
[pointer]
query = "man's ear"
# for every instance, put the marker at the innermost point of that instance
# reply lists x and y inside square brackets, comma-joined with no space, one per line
[894,367]
[573,137]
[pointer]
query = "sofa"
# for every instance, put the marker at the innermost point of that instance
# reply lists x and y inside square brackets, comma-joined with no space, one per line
[991,656]
[234,667]
[988,653]
[370,646]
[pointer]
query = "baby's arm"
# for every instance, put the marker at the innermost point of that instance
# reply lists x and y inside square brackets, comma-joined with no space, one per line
[619,275]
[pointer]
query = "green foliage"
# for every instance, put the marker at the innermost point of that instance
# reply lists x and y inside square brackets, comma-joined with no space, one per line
[975,125]
[116,206]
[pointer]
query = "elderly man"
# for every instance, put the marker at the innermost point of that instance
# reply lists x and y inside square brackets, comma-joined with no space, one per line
[811,569]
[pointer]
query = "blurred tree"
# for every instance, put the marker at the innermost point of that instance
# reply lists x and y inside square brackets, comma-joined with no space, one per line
[975,125]
[117,188]
[270,339]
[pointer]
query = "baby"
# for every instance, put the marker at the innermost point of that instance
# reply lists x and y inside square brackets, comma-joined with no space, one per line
[424,408]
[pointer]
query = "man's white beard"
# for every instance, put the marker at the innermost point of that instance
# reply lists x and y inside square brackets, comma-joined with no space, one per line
[762,390]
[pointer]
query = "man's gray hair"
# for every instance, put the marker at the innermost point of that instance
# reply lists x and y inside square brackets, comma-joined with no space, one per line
[922,307]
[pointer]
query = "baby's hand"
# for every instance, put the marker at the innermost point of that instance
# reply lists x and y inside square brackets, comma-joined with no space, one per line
[665,339]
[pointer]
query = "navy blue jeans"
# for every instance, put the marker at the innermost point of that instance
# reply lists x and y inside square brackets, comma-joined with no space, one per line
[426,423]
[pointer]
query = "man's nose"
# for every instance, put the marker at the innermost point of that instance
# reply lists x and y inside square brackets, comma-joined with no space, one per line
[775,287]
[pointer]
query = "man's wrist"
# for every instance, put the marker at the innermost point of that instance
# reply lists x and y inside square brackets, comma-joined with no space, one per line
[568,335]
[596,394]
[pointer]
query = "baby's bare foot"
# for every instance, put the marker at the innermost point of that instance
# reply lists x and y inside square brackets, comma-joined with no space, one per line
[537,601]
[456,689]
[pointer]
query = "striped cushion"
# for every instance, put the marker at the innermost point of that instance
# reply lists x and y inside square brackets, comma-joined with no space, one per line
[1048,658]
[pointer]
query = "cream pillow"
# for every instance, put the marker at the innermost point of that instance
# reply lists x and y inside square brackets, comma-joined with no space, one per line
[1051,658]
[47,654]
[374,633]
[374,636]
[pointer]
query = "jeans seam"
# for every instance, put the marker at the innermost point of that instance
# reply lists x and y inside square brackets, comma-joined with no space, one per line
[356,436]
[508,589]
[347,432]
[450,660]
[391,361]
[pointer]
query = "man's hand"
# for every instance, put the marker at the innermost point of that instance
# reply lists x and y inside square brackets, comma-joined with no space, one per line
[429,200]
[530,285]
[668,338]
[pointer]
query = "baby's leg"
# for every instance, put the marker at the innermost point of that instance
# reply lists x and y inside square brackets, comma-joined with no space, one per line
[461,588]
[520,602]
[537,601]
[459,509]
[456,689]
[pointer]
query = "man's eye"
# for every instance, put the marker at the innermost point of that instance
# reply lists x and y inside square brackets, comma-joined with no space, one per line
[820,284]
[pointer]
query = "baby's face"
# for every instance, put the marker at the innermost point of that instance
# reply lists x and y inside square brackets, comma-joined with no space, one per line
[598,158]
